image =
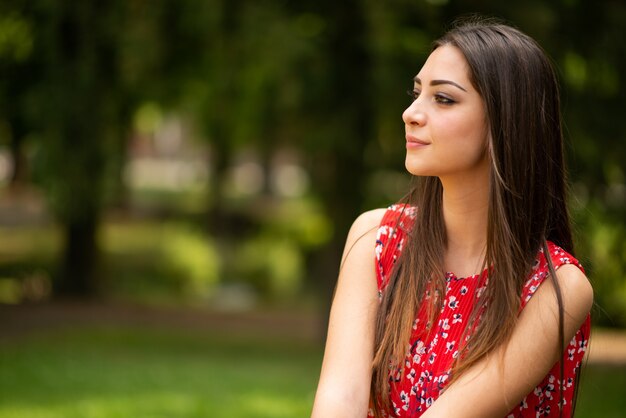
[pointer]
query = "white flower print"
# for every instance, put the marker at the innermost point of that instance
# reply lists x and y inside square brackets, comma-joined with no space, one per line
[417,359]
[404,397]
[444,324]
[411,375]
[434,342]
[379,251]
[418,349]
[524,404]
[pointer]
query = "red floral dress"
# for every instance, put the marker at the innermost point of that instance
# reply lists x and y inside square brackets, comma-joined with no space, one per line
[428,363]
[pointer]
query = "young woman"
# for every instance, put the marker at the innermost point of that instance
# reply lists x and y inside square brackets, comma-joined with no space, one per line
[466,301]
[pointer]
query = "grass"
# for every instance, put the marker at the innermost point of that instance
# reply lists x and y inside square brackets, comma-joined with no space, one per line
[144,373]
[117,373]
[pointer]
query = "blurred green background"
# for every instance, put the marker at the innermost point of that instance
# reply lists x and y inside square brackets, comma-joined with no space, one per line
[177,179]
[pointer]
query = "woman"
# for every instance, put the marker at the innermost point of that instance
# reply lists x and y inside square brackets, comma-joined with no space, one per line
[462,312]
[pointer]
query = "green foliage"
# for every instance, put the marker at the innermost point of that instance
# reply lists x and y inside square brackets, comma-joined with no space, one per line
[274,267]
[160,261]
[273,258]
[16,38]
[27,256]
[29,242]
[191,259]
[148,261]
[601,241]
[325,78]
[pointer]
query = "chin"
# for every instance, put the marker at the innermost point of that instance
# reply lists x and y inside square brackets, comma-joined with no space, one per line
[417,169]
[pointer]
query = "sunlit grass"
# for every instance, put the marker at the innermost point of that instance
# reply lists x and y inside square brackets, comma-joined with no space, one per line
[132,373]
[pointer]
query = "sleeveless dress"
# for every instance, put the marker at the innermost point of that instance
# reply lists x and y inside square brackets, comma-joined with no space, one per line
[427,366]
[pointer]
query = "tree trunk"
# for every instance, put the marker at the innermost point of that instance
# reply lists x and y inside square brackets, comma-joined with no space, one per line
[83,106]
[79,269]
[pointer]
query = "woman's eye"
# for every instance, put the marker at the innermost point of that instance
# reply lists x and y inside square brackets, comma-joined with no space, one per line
[441,99]
[438,98]
[413,94]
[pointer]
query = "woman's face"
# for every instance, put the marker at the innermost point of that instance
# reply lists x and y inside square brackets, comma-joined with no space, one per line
[446,126]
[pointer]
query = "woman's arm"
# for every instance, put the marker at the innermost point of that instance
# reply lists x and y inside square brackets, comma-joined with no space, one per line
[343,389]
[493,386]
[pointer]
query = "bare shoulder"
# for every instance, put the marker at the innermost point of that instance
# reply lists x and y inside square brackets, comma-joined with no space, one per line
[363,229]
[576,295]
[367,221]
[576,289]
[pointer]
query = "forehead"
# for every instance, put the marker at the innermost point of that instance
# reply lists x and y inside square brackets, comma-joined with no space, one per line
[445,63]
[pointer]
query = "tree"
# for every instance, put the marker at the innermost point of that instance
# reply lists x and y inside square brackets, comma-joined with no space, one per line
[78,115]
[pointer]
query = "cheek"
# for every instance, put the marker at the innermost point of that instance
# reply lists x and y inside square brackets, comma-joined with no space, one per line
[464,129]
[462,125]
[464,139]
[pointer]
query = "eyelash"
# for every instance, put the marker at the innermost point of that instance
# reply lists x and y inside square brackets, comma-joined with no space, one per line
[439,98]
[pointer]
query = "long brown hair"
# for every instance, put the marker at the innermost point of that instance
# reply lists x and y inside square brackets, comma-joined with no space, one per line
[527,202]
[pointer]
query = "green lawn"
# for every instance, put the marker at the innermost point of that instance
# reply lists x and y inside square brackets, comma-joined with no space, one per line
[137,373]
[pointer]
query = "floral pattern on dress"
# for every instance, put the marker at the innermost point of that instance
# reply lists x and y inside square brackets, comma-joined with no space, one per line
[426,370]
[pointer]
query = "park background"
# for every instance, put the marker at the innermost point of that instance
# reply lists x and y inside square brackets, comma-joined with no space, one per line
[177,179]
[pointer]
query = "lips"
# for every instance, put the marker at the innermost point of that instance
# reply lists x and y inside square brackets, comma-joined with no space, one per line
[410,139]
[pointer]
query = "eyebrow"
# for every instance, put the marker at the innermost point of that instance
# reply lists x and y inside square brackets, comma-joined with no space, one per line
[439,82]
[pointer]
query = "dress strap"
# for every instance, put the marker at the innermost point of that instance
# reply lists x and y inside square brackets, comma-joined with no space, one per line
[540,271]
[390,238]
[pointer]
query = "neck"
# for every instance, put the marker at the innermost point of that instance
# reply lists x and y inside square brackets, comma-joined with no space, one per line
[465,210]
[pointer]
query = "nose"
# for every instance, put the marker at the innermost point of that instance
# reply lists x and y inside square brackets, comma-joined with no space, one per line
[414,114]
